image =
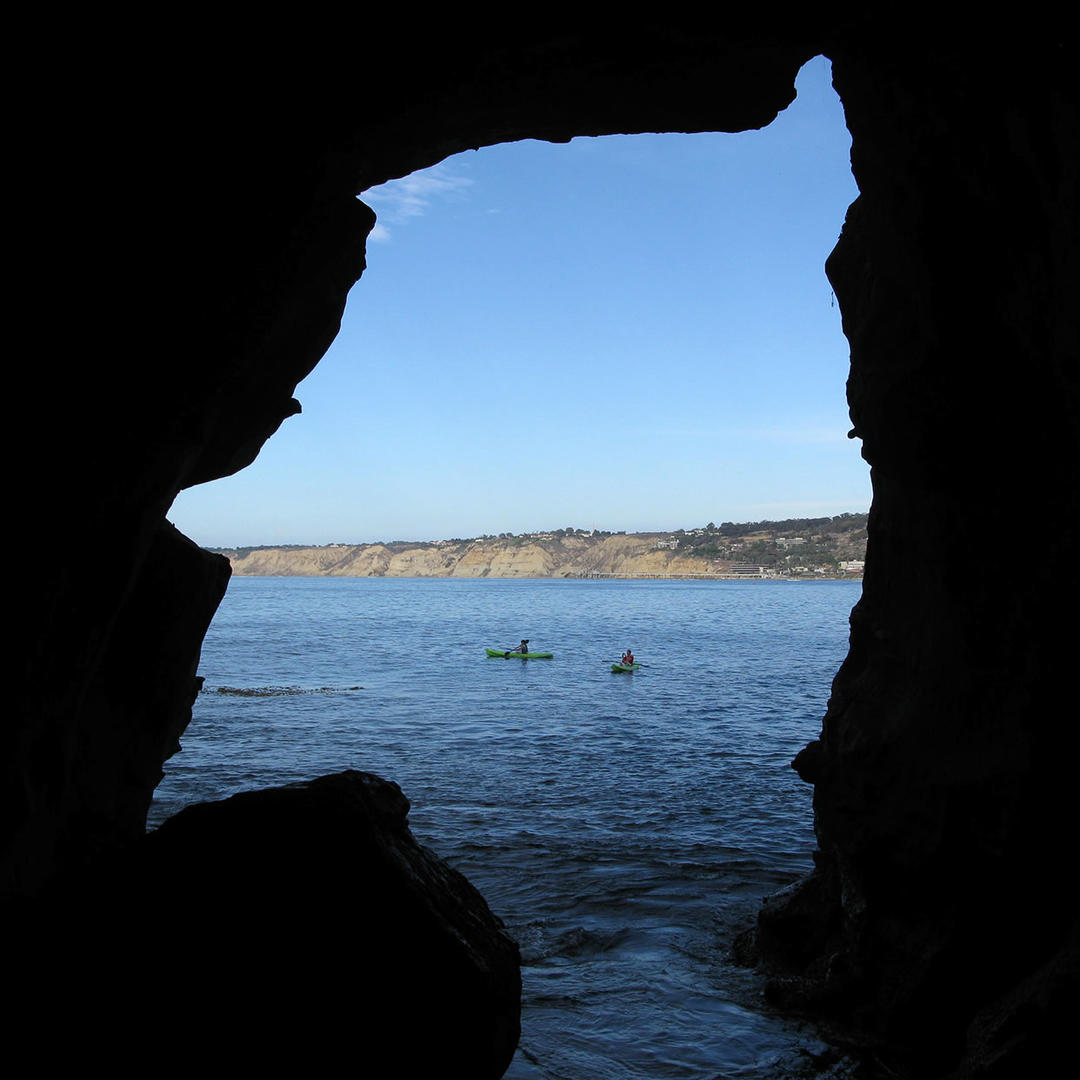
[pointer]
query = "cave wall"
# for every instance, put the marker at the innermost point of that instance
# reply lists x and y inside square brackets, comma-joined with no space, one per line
[241,237]
[942,773]
[940,776]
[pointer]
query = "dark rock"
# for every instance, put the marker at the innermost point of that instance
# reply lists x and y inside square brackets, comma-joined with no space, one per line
[809,761]
[1020,1034]
[942,772]
[308,912]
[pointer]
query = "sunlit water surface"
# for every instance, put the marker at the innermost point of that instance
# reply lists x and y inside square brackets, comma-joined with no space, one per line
[624,827]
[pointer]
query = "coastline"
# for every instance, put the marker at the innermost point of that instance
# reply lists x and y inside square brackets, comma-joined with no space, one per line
[791,550]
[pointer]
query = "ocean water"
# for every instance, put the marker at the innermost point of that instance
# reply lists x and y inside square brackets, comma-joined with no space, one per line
[624,827]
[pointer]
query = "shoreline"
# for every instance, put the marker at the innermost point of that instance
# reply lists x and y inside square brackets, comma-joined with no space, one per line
[564,577]
[797,549]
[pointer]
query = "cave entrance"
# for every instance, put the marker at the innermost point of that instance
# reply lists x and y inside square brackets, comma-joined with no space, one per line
[694,376]
[648,309]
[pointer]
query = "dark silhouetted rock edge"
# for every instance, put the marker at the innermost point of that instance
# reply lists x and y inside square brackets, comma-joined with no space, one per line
[283,926]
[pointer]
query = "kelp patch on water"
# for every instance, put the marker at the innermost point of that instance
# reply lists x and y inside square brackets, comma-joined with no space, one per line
[277,691]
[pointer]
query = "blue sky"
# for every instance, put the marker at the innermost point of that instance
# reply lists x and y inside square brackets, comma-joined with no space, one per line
[632,332]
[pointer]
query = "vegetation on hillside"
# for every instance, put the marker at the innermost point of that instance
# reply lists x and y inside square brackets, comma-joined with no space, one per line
[789,545]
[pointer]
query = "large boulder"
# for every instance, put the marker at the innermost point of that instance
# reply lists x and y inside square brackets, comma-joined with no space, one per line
[278,927]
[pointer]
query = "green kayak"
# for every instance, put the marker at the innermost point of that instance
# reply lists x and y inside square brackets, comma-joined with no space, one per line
[616,668]
[507,653]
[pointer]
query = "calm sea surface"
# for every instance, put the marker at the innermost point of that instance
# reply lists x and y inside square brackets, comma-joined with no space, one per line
[624,827]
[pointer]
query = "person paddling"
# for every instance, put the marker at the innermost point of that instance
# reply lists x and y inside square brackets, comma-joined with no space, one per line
[523,647]
[628,659]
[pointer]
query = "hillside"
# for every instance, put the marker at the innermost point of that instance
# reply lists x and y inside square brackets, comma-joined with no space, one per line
[814,547]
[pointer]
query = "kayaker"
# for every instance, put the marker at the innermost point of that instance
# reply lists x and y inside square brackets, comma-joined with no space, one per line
[628,658]
[523,647]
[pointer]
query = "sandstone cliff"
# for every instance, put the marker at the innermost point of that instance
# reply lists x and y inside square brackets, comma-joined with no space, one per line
[634,555]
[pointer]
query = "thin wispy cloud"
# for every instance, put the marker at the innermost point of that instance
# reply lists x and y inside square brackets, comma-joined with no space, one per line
[399,201]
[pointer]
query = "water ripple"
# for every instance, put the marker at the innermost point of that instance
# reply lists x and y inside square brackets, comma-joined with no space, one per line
[623,828]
